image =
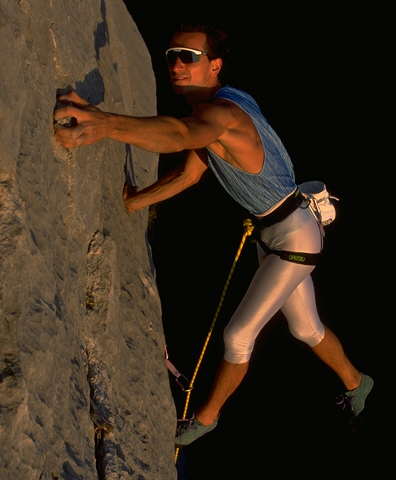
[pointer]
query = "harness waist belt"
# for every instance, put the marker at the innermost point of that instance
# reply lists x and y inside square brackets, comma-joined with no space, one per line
[303,258]
[283,211]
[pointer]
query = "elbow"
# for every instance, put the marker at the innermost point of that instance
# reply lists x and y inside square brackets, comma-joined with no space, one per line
[194,178]
[190,178]
[176,144]
[197,178]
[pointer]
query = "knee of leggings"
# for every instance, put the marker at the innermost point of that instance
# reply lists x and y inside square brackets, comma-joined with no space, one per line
[237,349]
[311,335]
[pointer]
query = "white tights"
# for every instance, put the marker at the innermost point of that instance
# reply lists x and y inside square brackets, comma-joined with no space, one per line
[279,285]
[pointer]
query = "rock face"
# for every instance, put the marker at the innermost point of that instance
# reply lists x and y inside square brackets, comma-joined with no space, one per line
[84,392]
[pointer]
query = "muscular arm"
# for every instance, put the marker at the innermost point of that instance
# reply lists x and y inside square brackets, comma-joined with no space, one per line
[170,184]
[160,134]
[163,134]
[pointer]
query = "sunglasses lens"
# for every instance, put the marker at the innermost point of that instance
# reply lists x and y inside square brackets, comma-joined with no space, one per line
[185,56]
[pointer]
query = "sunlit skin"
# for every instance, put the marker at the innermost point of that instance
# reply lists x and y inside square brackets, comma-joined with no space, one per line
[215,124]
[202,74]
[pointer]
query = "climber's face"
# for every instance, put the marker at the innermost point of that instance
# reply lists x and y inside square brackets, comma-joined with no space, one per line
[189,64]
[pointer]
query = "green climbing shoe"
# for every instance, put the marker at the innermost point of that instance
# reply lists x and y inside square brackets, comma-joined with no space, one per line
[190,430]
[354,400]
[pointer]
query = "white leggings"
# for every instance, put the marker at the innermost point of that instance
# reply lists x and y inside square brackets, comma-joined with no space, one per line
[279,285]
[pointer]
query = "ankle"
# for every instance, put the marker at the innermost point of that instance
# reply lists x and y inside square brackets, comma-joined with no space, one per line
[206,418]
[354,382]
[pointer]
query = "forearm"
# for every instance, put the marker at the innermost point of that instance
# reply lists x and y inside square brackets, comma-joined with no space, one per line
[156,134]
[160,134]
[166,187]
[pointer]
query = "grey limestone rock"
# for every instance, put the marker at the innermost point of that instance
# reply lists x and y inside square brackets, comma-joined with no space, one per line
[84,392]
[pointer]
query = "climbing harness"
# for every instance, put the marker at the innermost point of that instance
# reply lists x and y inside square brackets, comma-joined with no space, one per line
[249,227]
[295,257]
[318,200]
[283,211]
[292,202]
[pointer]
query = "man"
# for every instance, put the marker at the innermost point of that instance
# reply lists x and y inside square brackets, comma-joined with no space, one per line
[227,132]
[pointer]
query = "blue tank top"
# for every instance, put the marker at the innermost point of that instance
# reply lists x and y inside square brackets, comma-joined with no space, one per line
[257,192]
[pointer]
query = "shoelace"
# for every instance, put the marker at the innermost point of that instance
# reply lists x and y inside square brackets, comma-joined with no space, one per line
[343,402]
[182,425]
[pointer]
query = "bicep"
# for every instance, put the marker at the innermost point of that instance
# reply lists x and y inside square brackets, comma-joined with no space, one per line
[208,124]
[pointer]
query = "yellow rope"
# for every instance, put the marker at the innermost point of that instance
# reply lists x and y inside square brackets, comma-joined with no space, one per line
[248,231]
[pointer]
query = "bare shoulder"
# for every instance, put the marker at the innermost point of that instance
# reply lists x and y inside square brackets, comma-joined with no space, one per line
[219,110]
[239,142]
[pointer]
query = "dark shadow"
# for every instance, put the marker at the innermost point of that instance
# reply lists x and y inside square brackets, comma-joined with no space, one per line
[73,454]
[69,473]
[92,87]
[128,167]
[130,180]
[101,33]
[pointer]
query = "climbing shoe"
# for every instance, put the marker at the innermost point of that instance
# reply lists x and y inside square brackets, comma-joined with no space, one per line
[190,430]
[352,401]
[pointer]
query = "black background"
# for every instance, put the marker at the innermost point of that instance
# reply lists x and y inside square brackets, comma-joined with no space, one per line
[311,72]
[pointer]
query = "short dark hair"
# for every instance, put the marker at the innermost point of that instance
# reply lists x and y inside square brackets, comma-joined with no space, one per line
[216,37]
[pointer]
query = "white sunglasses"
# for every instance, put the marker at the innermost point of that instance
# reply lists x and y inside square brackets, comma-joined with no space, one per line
[186,55]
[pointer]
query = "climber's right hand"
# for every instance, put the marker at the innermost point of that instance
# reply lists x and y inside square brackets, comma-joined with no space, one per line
[89,124]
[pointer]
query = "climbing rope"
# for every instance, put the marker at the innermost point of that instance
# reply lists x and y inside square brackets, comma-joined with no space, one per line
[249,227]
